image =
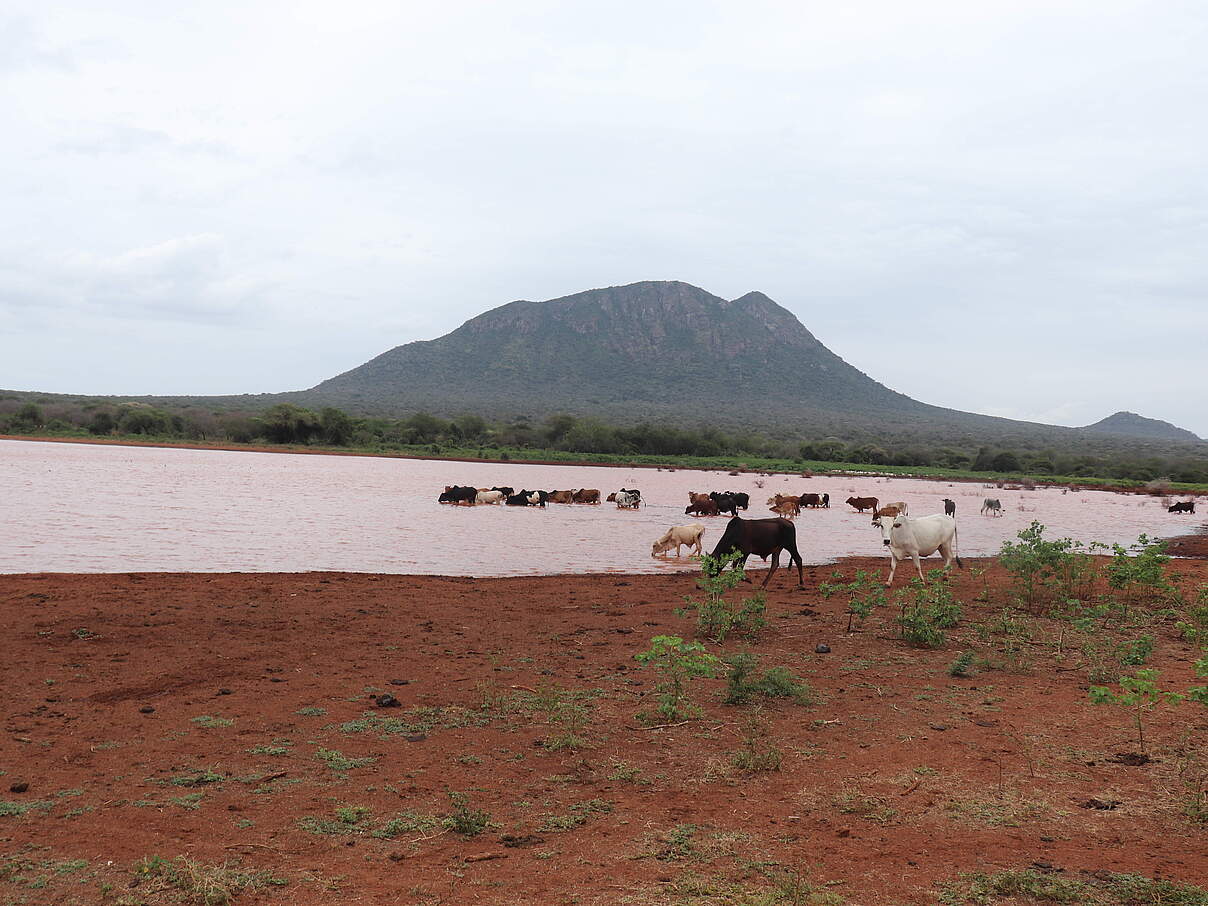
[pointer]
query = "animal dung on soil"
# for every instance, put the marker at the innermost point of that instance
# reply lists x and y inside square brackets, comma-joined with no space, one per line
[822,649]
[386,700]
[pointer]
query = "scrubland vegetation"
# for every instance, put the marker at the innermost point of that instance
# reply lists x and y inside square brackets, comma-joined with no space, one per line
[566,438]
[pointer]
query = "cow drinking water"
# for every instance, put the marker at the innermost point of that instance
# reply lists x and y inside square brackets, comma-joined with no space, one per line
[763,537]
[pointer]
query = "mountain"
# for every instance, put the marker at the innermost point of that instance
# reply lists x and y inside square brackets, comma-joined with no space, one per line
[1130,424]
[650,346]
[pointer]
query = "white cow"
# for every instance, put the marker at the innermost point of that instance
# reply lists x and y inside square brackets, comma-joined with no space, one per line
[628,500]
[490,496]
[677,536]
[918,536]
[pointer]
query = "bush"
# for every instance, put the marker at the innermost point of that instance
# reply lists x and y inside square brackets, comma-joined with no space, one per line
[716,617]
[927,609]
[776,682]
[864,593]
[678,662]
[1139,569]
[1042,569]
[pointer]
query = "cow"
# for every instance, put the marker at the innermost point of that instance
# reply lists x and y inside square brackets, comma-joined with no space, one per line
[586,495]
[764,538]
[611,497]
[949,507]
[458,494]
[506,491]
[677,536]
[890,511]
[696,497]
[826,501]
[862,503]
[785,510]
[725,503]
[525,498]
[900,506]
[991,505]
[811,500]
[491,496]
[561,496]
[705,507]
[628,500]
[1187,506]
[741,500]
[784,503]
[918,536]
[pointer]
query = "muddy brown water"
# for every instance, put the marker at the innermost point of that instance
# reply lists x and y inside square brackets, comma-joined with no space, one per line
[92,508]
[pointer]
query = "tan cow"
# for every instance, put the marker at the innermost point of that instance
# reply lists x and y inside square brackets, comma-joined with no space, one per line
[561,496]
[677,536]
[586,495]
[784,504]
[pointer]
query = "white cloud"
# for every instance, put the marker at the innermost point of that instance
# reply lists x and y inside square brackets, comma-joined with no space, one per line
[919,182]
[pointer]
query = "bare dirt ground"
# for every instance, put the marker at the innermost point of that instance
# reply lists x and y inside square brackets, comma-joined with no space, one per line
[229,719]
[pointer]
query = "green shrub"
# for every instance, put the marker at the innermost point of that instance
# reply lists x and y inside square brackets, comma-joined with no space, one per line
[1045,570]
[864,593]
[716,617]
[776,682]
[1139,570]
[927,609]
[678,662]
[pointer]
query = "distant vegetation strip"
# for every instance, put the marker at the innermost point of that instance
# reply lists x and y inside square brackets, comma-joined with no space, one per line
[572,440]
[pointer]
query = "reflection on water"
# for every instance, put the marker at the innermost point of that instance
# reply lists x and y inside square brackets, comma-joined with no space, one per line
[92,508]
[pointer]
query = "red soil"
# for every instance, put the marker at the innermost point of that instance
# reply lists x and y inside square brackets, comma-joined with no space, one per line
[900,778]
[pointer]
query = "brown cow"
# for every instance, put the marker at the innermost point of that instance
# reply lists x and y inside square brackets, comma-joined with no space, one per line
[811,500]
[785,510]
[891,510]
[699,507]
[777,502]
[862,503]
[586,495]
[561,496]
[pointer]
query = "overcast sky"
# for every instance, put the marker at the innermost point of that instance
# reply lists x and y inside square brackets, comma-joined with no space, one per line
[999,207]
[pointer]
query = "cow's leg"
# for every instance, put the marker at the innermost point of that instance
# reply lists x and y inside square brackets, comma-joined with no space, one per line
[775,563]
[918,564]
[946,553]
[795,555]
[893,565]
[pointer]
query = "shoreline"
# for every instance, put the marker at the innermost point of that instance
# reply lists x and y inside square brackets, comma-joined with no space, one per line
[1003,483]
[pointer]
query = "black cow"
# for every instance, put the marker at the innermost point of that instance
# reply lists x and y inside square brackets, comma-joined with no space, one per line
[507,492]
[1187,506]
[826,501]
[725,502]
[457,494]
[522,499]
[949,507]
[741,500]
[811,500]
[764,538]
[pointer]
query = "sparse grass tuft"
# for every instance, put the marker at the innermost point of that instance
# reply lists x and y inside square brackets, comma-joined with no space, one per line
[338,761]
[1100,889]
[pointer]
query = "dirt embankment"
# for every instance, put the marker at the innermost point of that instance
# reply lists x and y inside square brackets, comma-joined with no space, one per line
[228,718]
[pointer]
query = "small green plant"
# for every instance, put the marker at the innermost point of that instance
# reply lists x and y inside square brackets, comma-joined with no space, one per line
[338,761]
[197,778]
[1042,569]
[776,682]
[407,823]
[576,816]
[678,663]
[927,609]
[1139,692]
[963,664]
[716,617]
[209,723]
[758,753]
[864,594]
[1138,571]
[464,820]
[311,711]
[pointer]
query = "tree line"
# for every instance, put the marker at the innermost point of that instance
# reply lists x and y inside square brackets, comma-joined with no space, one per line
[289,424]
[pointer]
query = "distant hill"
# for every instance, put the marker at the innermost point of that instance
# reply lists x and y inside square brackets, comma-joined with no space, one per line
[623,350]
[1130,424]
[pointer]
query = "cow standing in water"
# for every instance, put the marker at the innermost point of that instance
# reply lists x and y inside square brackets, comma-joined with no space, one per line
[992,506]
[949,507]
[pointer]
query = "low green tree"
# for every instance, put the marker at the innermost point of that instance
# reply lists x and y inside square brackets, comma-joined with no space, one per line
[678,663]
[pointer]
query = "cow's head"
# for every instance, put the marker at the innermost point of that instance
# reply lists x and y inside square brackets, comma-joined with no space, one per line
[887,525]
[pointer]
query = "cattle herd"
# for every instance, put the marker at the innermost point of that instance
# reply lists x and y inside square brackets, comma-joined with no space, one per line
[904,536]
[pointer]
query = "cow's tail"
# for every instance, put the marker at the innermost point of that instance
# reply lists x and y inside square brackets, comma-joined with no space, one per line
[955,549]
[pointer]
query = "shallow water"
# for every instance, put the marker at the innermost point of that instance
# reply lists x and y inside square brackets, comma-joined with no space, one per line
[94,508]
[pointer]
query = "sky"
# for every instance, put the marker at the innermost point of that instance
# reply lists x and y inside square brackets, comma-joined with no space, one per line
[997,207]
